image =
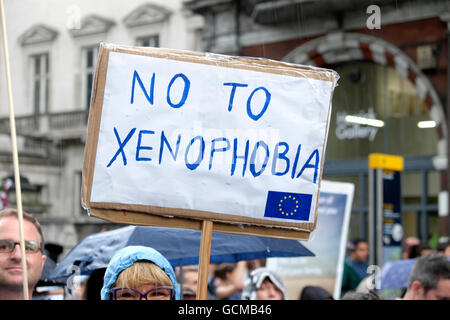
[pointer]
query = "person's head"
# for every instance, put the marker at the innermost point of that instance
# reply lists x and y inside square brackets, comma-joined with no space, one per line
[429,279]
[190,279]
[94,284]
[414,251]
[255,264]
[11,280]
[443,249]
[354,295]
[264,284]
[419,250]
[315,293]
[188,293]
[138,272]
[407,244]
[447,251]
[224,270]
[359,251]
[424,249]
[269,291]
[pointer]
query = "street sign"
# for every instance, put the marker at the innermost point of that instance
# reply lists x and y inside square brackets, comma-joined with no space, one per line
[385,215]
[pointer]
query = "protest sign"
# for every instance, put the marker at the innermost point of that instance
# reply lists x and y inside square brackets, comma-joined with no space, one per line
[208,137]
[328,242]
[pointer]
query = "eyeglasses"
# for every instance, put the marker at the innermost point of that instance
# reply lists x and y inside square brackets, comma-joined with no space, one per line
[158,293]
[7,246]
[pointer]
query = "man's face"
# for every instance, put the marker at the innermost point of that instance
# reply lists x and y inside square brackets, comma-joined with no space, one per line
[191,280]
[441,292]
[269,291]
[447,252]
[11,263]
[361,252]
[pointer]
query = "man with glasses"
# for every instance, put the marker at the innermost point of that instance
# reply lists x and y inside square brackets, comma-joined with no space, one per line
[11,281]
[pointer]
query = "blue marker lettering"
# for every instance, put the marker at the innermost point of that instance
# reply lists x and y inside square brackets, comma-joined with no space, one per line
[294,167]
[193,166]
[121,146]
[214,149]
[235,157]
[149,95]
[187,85]
[253,156]
[314,166]
[164,141]
[139,147]
[234,85]
[277,155]
[266,104]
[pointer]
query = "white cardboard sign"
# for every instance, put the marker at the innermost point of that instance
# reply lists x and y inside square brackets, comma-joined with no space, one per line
[207,138]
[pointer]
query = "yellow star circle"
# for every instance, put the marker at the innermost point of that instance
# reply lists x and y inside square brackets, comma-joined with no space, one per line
[280,205]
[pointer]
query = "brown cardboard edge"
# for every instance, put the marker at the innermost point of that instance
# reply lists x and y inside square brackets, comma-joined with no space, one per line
[205,215]
[139,218]
[95,113]
[323,158]
[253,64]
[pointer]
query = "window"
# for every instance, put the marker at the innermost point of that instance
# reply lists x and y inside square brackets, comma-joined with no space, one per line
[89,62]
[391,107]
[148,41]
[41,82]
[392,111]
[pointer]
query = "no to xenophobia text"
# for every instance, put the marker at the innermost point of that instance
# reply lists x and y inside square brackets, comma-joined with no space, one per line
[284,159]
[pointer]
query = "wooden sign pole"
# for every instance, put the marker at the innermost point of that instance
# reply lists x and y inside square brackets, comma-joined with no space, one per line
[14,154]
[205,252]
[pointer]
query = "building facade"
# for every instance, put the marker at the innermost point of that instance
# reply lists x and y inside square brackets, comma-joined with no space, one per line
[53,47]
[392,59]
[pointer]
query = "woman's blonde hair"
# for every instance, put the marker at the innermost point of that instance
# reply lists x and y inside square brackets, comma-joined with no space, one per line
[141,273]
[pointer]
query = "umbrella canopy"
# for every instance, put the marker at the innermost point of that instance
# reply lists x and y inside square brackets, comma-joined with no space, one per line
[395,274]
[179,246]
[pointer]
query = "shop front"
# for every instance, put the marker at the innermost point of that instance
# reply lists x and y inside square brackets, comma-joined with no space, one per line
[383,104]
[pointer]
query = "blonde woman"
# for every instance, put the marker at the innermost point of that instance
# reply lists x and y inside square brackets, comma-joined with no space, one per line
[139,273]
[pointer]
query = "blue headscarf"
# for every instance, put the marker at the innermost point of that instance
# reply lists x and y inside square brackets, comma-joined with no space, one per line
[125,257]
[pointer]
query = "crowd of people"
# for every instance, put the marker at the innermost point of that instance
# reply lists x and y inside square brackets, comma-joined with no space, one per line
[138,273]
[355,277]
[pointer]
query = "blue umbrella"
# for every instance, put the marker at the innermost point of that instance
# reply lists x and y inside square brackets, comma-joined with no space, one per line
[395,274]
[179,246]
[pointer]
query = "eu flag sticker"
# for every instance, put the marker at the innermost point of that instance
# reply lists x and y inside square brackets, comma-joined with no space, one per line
[288,205]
